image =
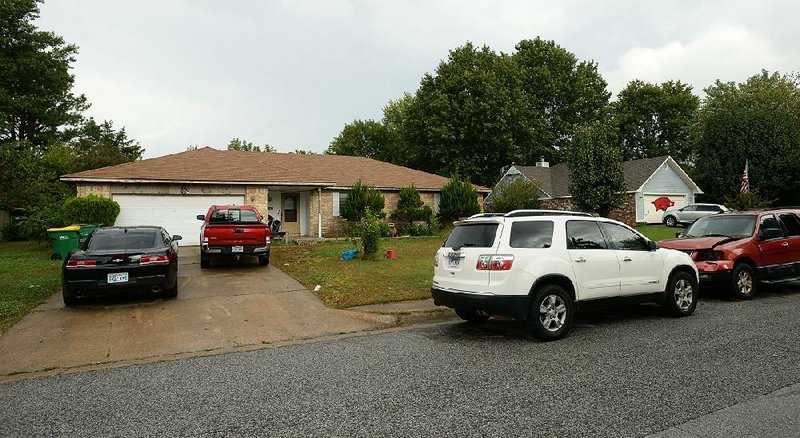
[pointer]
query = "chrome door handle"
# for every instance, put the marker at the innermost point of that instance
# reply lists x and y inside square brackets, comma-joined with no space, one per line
[580,260]
[785,244]
[626,259]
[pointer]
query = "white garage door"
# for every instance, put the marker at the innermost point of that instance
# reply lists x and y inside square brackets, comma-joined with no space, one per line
[655,204]
[177,214]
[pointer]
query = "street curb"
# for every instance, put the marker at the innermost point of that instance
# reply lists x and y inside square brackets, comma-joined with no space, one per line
[398,318]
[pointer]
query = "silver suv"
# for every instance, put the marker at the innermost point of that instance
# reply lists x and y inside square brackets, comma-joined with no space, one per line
[541,266]
[692,212]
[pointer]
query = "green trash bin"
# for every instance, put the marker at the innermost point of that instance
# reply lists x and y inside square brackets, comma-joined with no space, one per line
[64,240]
[86,230]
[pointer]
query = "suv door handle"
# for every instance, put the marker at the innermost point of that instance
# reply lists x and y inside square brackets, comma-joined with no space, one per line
[580,260]
[626,259]
[785,244]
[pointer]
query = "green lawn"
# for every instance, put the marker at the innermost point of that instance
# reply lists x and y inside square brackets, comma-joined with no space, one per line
[356,282]
[658,232]
[27,278]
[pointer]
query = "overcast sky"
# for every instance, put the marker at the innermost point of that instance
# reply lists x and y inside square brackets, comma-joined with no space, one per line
[293,73]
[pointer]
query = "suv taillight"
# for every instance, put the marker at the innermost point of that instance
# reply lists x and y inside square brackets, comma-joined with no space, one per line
[436,260]
[81,263]
[494,262]
[149,260]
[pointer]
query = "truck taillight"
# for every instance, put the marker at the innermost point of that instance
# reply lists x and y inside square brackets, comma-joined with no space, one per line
[149,260]
[81,263]
[436,260]
[494,262]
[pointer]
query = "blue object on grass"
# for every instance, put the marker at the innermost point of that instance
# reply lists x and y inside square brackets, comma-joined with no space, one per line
[350,254]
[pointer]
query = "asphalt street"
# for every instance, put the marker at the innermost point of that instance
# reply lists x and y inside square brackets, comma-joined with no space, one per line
[622,373]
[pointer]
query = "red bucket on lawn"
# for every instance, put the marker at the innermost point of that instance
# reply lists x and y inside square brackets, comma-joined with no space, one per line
[391,254]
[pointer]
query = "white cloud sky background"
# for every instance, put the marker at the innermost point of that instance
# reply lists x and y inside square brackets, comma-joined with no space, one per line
[293,73]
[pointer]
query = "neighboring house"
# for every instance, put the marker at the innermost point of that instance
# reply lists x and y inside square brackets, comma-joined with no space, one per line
[652,185]
[304,192]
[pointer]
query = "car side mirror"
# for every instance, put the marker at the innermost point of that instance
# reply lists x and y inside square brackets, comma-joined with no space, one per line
[678,234]
[201,217]
[652,245]
[769,233]
[177,237]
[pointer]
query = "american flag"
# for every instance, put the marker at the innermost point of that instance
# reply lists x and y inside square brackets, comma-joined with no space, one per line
[745,180]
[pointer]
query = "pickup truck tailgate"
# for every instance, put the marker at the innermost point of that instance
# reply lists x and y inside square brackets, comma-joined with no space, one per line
[236,234]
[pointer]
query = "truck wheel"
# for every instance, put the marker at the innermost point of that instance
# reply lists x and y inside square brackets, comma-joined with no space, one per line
[670,221]
[473,316]
[681,297]
[205,262]
[552,311]
[743,282]
[263,260]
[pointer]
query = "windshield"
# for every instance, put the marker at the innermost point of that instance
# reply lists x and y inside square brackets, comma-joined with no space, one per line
[123,239]
[728,226]
[472,235]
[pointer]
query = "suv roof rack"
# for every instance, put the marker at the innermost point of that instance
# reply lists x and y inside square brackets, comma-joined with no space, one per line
[523,213]
[479,215]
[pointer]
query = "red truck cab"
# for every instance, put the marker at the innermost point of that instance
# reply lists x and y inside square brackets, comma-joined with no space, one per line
[739,250]
[233,231]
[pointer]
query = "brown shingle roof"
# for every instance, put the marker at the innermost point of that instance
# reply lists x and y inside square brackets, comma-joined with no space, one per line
[212,165]
[555,180]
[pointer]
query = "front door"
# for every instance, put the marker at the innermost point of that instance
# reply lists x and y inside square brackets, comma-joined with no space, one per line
[290,224]
[595,264]
[639,268]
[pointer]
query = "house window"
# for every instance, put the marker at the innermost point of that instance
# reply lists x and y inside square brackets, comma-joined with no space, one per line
[339,199]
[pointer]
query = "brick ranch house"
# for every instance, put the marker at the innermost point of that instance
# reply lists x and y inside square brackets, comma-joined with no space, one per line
[652,185]
[304,192]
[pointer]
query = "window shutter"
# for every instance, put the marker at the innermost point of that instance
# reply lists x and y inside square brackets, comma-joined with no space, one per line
[335,204]
[437,197]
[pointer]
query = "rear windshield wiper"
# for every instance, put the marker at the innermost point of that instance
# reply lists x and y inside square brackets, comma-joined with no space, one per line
[464,245]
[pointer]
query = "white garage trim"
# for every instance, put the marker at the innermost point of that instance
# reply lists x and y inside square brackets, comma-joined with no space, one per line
[177,214]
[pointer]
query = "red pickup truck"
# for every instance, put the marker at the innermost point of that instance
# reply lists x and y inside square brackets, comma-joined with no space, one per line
[233,231]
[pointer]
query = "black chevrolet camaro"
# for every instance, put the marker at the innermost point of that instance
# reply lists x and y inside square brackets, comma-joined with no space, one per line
[122,259]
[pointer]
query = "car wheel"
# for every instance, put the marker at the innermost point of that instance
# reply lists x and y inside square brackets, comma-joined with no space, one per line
[552,311]
[263,260]
[670,221]
[473,316]
[743,282]
[205,262]
[681,297]
[173,292]
[69,299]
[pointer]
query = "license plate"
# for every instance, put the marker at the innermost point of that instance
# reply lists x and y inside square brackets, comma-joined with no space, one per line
[453,261]
[237,249]
[118,277]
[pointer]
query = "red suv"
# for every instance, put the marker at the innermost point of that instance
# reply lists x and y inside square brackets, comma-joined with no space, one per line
[739,250]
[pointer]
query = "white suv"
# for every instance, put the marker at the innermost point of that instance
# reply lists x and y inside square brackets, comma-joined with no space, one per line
[540,266]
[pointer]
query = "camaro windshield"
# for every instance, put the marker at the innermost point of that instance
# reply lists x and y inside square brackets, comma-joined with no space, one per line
[728,226]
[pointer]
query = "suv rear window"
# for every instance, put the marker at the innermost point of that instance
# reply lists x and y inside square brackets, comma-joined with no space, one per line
[531,234]
[791,223]
[120,239]
[472,235]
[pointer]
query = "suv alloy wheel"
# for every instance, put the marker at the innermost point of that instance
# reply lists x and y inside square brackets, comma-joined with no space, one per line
[552,311]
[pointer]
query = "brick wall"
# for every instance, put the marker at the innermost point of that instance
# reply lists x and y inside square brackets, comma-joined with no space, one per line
[257,197]
[626,213]
[103,190]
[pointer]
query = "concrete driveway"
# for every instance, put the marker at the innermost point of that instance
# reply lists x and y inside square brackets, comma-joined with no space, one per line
[230,306]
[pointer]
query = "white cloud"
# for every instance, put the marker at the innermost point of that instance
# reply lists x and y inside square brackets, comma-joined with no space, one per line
[728,52]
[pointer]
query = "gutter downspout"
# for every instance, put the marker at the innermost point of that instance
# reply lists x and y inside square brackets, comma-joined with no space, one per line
[319,212]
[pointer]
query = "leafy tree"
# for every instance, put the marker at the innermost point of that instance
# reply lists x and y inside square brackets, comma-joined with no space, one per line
[370,229]
[192,147]
[237,144]
[363,138]
[100,145]
[304,152]
[268,148]
[758,121]
[655,120]
[362,197]
[744,201]
[36,98]
[459,199]
[596,178]
[410,207]
[515,194]
[559,93]
[463,118]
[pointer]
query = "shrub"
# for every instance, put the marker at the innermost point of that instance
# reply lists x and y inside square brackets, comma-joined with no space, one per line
[33,222]
[91,209]
[410,208]
[371,229]
[517,194]
[747,201]
[459,199]
[361,198]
